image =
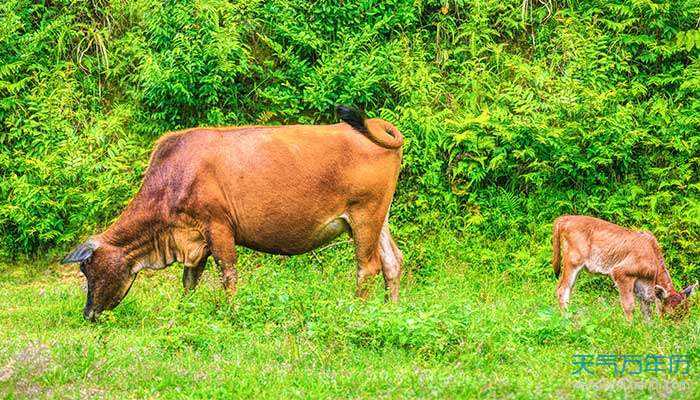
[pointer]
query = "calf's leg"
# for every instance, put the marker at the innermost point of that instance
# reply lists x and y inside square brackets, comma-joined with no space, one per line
[223,247]
[645,307]
[392,260]
[569,273]
[625,285]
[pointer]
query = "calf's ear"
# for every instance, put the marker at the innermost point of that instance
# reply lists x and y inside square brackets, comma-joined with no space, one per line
[81,253]
[660,292]
[690,289]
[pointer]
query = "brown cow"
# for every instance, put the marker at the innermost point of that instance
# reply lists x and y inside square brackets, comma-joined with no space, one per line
[281,190]
[632,259]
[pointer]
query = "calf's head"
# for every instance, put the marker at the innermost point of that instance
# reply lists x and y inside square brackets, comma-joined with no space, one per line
[108,277]
[674,304]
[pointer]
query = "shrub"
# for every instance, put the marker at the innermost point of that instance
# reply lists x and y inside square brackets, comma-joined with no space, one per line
[514,112]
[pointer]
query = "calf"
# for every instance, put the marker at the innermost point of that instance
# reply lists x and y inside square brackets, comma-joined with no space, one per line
[281,190]
[632,259]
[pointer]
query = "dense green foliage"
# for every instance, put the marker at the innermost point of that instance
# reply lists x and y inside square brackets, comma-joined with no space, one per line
[515,112]
[295,330]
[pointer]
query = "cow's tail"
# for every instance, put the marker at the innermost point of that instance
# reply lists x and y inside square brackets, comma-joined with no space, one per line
[556,247]
[379,131]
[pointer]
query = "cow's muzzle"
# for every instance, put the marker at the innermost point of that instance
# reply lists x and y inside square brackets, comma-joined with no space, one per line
[90,314]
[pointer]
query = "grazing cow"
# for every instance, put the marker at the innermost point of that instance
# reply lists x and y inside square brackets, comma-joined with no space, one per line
[632,259]
[280,190]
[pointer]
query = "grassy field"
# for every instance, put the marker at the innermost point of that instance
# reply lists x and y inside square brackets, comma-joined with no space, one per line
[470,324]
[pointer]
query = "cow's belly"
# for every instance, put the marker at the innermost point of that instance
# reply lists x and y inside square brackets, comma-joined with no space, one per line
[596,265]
[294,239]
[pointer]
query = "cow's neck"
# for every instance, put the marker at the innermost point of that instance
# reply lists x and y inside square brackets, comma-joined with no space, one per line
[153,244]
[144,238]
[663,278]
[159,252]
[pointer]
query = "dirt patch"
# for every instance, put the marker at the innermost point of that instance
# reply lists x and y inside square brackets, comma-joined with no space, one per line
[69,274]
[7,371]
[23,370]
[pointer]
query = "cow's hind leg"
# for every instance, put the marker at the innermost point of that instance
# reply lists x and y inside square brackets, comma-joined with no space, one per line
[570,269]
[368,265]
[366,229]
[392,260]
[223,247]
[191,275]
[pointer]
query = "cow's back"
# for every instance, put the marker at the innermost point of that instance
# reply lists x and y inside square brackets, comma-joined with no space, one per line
[269,182]
[604,246]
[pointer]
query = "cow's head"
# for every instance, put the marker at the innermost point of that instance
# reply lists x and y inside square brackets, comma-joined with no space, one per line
[674,304]
[108,277]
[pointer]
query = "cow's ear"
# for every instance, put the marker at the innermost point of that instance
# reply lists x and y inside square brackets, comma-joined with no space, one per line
[661,292]
[690,289]
[81,253]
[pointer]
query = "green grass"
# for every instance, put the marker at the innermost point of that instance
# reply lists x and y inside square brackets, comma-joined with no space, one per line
[470,324]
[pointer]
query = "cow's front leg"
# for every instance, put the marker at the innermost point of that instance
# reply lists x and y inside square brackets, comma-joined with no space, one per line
[191,275]
[645,307]
[625,285]
[223,247]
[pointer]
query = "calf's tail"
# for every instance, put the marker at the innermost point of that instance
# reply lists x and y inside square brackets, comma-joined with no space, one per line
[379,131]
[556,249]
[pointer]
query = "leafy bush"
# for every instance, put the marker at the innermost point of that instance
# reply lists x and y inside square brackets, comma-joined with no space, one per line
[514,112]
